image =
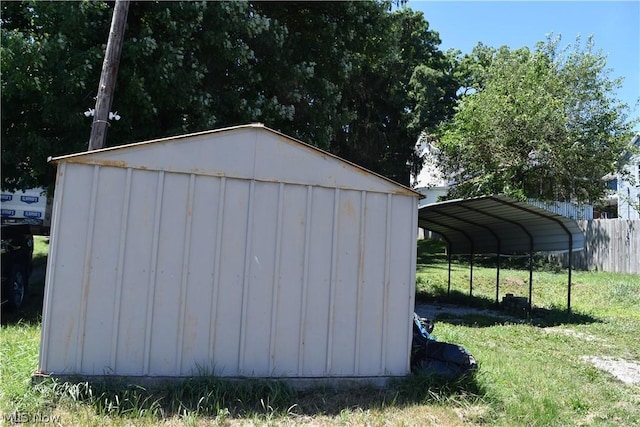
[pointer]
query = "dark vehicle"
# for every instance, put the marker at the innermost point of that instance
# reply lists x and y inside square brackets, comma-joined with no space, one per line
[17,252]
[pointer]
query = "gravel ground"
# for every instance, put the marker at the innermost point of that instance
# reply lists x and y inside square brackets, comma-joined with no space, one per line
[625,371]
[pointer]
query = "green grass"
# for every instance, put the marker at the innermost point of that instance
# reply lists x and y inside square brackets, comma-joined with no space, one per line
[593,293]
[532,369]
[40,250]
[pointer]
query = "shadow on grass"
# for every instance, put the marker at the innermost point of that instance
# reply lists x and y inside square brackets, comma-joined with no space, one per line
[427,248]
[493,314]
[214,397]
[454,297]
[434,263]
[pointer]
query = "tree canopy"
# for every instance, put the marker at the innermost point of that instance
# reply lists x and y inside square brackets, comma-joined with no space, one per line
[355,78]
[541,123]
[359,79]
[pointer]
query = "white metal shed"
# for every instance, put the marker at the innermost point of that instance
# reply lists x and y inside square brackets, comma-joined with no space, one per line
[240,251]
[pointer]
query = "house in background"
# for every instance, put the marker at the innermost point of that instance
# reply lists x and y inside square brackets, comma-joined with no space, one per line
[624,202]
[430,180]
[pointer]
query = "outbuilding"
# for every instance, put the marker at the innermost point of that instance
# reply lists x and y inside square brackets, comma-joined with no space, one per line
[238,252]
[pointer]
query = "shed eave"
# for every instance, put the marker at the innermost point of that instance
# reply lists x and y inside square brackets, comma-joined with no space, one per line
[86,154]
[89,157]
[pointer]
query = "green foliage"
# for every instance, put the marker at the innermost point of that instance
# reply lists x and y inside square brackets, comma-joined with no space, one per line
[354,78]
[51,60]
[540,123]
[402,86]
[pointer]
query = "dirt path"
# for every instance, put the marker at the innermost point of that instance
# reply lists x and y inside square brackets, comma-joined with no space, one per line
[625,371]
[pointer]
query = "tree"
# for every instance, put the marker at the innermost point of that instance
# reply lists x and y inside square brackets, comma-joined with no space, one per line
[403,86]
[50,54]
[350,77]
[542,124]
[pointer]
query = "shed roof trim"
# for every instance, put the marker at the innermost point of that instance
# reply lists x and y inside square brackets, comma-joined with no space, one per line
[106,156]
[498,224]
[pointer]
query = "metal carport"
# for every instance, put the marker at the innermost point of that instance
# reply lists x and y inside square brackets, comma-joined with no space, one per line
[503,226]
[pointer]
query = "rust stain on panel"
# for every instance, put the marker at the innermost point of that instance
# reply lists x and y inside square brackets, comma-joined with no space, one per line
[348,208]
[101,162]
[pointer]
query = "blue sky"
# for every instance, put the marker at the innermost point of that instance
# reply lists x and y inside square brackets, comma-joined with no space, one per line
[615,26]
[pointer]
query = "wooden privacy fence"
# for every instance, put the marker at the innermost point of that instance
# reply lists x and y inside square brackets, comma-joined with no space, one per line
[610,245]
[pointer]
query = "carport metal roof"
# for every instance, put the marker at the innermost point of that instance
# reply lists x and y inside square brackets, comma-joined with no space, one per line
[498,224]
[501,225]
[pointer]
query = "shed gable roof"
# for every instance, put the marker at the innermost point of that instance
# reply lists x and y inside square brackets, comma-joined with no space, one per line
[247,152]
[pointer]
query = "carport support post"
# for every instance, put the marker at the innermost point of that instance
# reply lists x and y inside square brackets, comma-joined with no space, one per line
[449,271]
[471,273]
[498,277]
[569,280]
[530,278]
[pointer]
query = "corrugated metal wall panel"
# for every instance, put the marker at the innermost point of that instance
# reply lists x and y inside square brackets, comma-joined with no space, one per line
[401,293]
[371,286]
[137,261]
[101,273]
[319,289]
[288,300]
[228,307]
[164,304]
[201,268]
[260,285]
[60,340]
[343,324]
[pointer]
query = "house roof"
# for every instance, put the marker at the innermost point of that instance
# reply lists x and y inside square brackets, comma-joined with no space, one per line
[498,224]
[251,151]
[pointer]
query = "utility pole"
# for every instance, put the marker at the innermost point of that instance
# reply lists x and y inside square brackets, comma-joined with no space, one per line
[108,77]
